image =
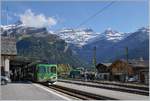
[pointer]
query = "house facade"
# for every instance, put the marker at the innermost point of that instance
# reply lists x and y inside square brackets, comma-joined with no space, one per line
[141,70]
[120,71]
[103,72]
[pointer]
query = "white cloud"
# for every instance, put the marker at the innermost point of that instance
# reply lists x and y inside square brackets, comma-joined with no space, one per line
[29,19]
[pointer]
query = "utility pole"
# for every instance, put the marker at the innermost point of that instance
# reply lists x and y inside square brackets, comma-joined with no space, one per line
[126,74]
[127,54]
[94,58]
[7,20]
[6,15]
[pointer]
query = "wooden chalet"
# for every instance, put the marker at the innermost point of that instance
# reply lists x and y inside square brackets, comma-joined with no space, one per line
[120,70]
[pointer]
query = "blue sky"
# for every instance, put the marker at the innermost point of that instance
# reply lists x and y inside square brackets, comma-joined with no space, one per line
[123,16]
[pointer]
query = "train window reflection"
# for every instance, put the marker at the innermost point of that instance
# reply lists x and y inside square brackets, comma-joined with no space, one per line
[42,69]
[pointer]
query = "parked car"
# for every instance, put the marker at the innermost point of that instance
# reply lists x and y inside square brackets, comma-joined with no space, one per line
[132,79]
[4,80]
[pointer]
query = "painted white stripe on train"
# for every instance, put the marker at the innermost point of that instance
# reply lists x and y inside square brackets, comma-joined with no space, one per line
[46,89]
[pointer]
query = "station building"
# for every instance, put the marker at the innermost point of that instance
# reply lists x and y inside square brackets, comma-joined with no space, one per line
[8,53]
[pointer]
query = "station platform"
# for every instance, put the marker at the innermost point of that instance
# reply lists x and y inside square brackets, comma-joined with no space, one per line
[28,91]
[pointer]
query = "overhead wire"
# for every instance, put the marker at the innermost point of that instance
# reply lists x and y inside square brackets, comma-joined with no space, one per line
[95,14]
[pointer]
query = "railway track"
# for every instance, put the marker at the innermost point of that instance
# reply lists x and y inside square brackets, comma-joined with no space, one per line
[128,85]
[135,90]
[78,94]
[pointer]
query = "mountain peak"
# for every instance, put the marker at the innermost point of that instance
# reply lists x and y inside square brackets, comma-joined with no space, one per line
[144,29]
[112,35]
[18,28]
[78,37]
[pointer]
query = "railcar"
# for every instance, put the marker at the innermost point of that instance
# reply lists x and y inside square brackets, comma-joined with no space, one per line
[44,73]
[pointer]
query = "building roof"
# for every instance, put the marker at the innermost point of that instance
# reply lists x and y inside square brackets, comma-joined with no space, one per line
[107,64]
[101,68]
[8,46]
[139,63]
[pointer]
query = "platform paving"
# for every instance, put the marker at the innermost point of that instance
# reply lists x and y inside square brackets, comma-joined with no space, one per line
[28,91]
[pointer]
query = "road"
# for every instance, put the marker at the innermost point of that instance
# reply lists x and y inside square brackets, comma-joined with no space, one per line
[29,91]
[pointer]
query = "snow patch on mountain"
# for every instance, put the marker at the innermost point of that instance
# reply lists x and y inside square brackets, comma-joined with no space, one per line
[9,27]
[144,29]
[78,37]
[112,35]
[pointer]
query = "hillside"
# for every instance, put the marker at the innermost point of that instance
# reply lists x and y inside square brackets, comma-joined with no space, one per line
[109,50]
[38,43]
[75,45]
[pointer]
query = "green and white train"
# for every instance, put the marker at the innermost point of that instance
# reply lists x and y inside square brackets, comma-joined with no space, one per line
[44,73]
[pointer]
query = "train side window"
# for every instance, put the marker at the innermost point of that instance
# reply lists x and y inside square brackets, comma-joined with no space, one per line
[42,69]
[53,69]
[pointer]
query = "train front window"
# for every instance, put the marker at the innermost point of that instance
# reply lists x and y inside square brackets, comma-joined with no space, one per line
[42,69]
[53,69]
